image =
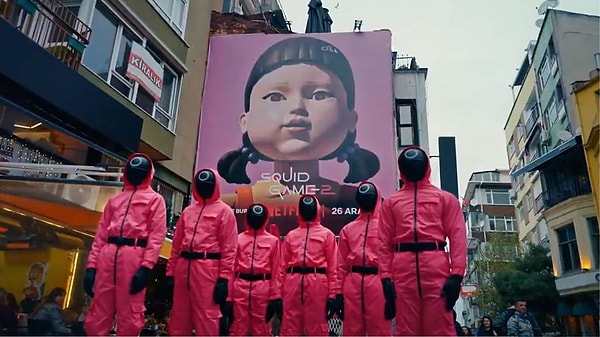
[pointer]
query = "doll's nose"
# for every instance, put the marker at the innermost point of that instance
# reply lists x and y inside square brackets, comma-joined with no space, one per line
[299,107]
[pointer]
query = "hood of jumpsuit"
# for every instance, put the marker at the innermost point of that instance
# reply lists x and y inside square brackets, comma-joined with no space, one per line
[317,220]
[263,226]
[216,194]
[426,178]
[146,181]
[362,215]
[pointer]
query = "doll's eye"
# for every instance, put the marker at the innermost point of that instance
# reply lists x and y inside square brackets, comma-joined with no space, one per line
[274,97]
[321,95]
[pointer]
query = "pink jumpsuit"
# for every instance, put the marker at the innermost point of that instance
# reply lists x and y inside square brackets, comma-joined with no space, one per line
[204,247]
[307,275]
[357,272]
[137,213]
[424,214]
[256,262]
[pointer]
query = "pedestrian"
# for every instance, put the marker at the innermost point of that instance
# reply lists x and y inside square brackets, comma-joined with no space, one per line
[358,267]
[414,225]
[500,323]
[202,258]
[125,249]
[256,298]
[486,327]
[307,274]
[519,324]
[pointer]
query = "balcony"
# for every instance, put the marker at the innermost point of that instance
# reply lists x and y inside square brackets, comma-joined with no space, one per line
[531,122]
[49,24]
[567,189]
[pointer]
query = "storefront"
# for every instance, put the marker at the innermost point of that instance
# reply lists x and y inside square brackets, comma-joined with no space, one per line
[62,145]
[579,314]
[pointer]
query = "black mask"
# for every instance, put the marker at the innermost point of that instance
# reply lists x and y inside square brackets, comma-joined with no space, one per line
[205,184]
[256,216]
[308,208]
[137,169]
[413,164]
[366,197]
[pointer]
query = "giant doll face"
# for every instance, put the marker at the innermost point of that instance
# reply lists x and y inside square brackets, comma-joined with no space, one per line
[298,112]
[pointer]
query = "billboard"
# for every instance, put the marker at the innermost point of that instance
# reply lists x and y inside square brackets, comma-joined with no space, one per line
[284,115]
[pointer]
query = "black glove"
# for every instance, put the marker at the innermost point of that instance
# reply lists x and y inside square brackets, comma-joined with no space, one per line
[339,299]
[88,281]
[275,307]
[221,291]
[389,310]
[140,280]
[227,311]
[389,290]
[169,286]
[451,290]
[331,308]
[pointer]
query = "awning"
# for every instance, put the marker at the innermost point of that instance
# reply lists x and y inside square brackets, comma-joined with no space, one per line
[544,159]
[564,309]
[585,306]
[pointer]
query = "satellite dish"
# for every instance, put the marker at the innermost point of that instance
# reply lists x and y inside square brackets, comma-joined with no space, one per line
[564,135]
[543,8]
[539,22]
[473,202]
[553,3]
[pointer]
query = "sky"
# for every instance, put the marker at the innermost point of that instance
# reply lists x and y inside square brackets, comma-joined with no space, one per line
[472,48]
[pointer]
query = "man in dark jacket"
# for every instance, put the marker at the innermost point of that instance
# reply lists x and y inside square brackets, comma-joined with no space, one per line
[502,319]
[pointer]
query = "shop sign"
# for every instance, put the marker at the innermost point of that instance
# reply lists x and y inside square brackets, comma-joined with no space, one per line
[144,69]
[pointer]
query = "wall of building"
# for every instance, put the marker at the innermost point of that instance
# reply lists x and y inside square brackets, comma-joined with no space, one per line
[588,112]
[410,84]
[190,102]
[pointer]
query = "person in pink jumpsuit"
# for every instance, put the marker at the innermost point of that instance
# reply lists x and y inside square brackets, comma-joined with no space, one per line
[130,234]
[202,258]
[358,268]
[414,224]
[307,274]
[253,289]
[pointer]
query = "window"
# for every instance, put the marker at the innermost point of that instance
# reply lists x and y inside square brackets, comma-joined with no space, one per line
[498,197]
[512,148]
[520,213]
[488,176]
[595,240]
[108,55]
[503,224]
[544,72]
[406,123]
[567,244]
[551,111]
[174,12]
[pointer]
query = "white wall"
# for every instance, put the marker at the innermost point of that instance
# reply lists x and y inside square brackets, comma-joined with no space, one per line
[411,84]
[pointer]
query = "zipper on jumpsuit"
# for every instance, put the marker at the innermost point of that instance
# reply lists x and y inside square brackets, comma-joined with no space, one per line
[416,236]
[304,265]
[362,278]
[251,283]
[192,243]
[121,235]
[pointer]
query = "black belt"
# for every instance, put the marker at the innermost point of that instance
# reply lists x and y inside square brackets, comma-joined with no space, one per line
[306,270]
[365,270]
[254,277]
[121,241]
[200,256]
[419,246]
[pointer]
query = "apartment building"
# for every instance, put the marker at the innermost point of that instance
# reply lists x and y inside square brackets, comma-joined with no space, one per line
[553,196]
[490,215]
[83,84]
[587,97]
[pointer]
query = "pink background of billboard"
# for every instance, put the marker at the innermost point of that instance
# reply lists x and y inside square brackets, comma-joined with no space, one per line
[231,58]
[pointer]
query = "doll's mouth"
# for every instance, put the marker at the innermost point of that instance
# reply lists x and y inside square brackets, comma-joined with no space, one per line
[297,124]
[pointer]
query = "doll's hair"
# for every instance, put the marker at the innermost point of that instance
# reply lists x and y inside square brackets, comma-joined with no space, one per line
[363,164]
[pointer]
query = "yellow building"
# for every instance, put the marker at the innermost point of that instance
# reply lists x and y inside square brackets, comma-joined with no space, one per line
[587,95]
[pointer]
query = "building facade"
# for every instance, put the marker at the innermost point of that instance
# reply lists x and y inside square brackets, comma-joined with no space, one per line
[490,214]
[83,84]
[587,97]
[545,144]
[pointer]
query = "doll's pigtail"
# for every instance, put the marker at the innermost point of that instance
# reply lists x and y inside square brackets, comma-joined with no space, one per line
[232,165]
[362,164]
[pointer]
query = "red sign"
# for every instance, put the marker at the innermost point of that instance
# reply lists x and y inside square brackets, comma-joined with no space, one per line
[468,290]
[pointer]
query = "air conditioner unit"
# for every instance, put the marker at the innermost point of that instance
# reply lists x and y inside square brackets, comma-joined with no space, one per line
[545,137]
[82,195]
